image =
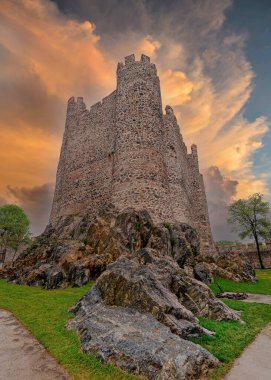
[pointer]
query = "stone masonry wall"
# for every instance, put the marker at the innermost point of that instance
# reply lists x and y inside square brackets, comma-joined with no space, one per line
[124,151]
[85,165]
[140,177]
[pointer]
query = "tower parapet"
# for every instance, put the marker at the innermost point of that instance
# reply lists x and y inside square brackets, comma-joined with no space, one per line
[125,151]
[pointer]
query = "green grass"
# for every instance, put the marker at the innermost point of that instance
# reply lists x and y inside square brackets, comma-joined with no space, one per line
[44,313]
[263,285]
[231,338]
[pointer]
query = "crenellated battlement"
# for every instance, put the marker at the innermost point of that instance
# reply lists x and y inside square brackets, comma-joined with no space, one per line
[124,151]
[129,60]
[139,68]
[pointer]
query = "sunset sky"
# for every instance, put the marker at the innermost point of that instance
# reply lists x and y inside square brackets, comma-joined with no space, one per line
[213,59]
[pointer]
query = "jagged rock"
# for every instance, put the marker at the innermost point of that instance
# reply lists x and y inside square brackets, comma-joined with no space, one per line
[138,313]
[143,304]
[156,284]
[234,266]
[137,342]
[202,273]
[81,248]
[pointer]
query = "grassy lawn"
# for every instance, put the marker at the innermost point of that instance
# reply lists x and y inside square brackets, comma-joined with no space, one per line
[44,313]
[231,338]
[263,285]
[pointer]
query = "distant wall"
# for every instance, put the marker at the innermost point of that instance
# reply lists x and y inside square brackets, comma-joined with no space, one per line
[250,251]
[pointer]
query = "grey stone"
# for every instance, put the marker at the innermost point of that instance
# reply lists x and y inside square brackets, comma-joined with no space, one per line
[137,342]
[202,273]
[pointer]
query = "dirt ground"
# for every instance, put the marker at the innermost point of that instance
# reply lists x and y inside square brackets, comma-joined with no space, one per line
[259,298]
[21,355]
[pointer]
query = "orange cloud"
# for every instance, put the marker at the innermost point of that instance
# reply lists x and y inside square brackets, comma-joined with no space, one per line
[47,56]
[212,117]
[148,46]
[62,52]
[175,87]
[27,156]
[45,59]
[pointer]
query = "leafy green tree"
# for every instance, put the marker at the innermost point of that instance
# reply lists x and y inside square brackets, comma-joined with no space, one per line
[250,217]
[14,228]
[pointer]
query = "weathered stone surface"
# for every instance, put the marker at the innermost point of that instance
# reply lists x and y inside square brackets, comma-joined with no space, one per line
[81,248]
[230,265]
[202,273]
[141,274]
[157,285]
[138,313]
[136,342]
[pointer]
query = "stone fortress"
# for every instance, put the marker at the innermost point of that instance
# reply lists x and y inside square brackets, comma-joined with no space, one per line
[124,151]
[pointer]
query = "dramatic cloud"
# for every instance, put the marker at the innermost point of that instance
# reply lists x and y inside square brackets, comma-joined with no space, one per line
[36,202]
[220,193]
[28,156]
[45,58]
[176,87]
[49,54]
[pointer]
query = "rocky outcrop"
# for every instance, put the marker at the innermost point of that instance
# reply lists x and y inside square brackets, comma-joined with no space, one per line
[140,311]
[233,266]
[145,302]
[79,249]
[156,284]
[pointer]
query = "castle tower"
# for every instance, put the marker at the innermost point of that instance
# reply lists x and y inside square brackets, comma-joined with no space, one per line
[139,172]
[125,151]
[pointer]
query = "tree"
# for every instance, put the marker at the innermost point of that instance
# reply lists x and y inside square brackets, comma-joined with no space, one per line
[14,228]
[250,216]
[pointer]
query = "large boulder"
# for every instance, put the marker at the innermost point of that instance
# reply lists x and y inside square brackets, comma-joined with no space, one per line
[156,284]
[137,342]
[139,312]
